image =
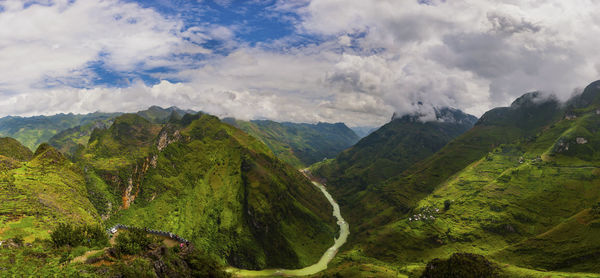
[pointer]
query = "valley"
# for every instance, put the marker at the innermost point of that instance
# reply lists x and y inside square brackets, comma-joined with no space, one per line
[514,193]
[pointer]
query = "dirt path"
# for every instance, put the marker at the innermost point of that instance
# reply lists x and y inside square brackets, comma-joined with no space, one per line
[83,258]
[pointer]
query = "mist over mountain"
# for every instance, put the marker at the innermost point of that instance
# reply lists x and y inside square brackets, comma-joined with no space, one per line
[312,138]
[489,188]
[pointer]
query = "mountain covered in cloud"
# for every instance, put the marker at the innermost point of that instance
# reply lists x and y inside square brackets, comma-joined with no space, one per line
[488,191]
[393,148]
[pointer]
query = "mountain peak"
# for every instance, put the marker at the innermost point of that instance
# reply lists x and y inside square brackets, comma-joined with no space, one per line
[439,114]
[589,96]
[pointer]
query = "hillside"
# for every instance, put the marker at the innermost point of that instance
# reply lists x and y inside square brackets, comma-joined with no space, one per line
[32,131]
[393,148]
[211,183]
[11,148]
[72,140]
[299,144]
[39,193]
[520,188]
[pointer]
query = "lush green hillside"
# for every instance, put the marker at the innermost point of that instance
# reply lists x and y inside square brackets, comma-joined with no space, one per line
[520,188]
[12,148]
[32,131]
[211,183]
[39,193]
[300,144]
[72,140]
[393,148]
[75,139]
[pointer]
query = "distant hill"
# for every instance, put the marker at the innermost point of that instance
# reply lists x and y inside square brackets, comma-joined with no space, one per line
[299,144]
[71,140]
[32,131]
[363,131]
[159,115]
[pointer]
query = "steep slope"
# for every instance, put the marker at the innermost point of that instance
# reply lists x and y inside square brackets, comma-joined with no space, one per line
[399,193]
[40,193]
[299,144]
[517,188]
[393,148]
[32,131]
[212,184]
[11,148]
[72,140]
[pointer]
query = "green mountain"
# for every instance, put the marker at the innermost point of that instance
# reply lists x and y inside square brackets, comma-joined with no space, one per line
[363,131]
[72,140]
[520,188]
[211,183]
[40,190]
[389,151]
[159,115]
[32,131]
[299,144]
[11,148]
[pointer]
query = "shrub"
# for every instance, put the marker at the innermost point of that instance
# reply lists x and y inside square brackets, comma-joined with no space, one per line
[201,265]
[461,265]
[138,268]
[18,240]
[88,235]
[596,208]
[132,242]
[447,204]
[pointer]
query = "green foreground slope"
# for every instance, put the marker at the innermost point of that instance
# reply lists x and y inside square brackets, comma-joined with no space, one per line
[40,193]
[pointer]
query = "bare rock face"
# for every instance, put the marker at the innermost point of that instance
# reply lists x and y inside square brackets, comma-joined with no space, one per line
[165,139]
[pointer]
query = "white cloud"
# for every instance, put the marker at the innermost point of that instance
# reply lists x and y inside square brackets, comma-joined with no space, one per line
[375,58]
[46,42]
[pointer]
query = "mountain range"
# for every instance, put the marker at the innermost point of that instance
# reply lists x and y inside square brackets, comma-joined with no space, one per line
[514,193]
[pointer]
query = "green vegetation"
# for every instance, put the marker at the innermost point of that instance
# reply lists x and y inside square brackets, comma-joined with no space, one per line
[133,241]
[40,193]
[11,148]
[300,145]
[520,188]
[88,235]
[158,115]
[461,265]
[32,131]
[214,184]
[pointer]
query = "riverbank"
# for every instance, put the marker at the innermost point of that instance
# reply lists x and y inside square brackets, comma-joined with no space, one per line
[312,269]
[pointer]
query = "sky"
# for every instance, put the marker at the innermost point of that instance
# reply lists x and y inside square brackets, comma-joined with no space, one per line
[351,61]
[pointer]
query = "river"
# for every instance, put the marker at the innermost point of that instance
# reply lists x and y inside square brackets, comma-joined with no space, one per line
[312,269]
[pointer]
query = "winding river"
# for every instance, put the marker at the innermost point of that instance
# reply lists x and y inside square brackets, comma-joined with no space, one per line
[312,269]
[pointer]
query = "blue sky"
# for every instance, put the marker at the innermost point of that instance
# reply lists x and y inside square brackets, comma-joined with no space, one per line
[253,22]
[351,61]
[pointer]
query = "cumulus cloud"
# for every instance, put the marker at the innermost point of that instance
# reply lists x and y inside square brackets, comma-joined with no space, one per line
[57,40]
[362,61]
